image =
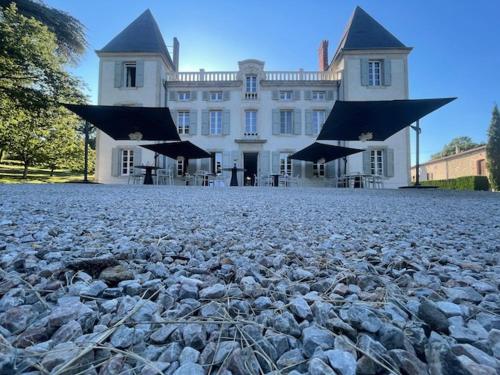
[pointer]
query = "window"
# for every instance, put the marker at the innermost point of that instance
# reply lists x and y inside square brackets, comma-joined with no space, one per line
[250,122]
[251,83]
[180,166]
[184,95]
[374,72]
[286,122]
[183,122]
[318,95]
[216,159]
[215,123]
[377,162]
[127,162]
[318,119]
[215,96]
[130,74]
[286,95]
[319,169]
[285,164]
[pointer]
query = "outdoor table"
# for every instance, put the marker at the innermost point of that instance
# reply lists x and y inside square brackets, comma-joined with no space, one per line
[148,177]
[234,177]
[276,179]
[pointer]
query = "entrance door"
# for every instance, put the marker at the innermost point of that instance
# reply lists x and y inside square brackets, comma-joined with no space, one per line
[250,165]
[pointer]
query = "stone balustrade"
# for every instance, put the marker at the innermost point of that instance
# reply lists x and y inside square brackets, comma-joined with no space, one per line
[202,76]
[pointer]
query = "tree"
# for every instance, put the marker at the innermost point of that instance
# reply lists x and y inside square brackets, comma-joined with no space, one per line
[493,149]
[458,143]
[69,32]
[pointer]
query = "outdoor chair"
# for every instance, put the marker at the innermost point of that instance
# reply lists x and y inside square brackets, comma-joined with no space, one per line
[266,180]
[135,177]
[164,177]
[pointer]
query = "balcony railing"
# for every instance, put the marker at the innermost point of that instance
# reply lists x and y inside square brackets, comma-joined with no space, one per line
[203,76]
[251,96]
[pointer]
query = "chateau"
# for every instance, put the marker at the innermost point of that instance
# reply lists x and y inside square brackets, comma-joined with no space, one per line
[251,116]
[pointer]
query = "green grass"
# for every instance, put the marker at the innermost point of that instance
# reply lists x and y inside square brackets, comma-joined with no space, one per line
[12,173]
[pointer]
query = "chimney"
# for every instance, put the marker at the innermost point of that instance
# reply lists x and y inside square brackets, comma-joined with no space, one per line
[457,149]
[176,54]
[323,56]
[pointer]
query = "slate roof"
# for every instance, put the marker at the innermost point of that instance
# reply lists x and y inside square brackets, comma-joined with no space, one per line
[364,32]
[142,35]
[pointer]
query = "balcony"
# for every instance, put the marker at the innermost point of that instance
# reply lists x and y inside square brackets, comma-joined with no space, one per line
[251,96]
[235,76]
[250,138]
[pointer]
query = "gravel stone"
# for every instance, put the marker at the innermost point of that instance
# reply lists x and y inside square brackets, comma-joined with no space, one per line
[341,361]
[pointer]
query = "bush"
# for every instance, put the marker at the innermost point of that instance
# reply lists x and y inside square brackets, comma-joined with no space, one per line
[461,183]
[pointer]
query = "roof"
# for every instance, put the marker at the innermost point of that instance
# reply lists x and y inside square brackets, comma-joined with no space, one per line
[142,35]
[453,156]
[364,32]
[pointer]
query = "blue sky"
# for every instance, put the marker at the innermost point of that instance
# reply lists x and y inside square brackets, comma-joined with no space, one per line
[456,45]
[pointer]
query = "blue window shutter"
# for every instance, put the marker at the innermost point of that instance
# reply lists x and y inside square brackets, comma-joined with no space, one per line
[330,169]
[275,167]
[226,122]
[309,169]
[139,73]
[296,95]
[330,95]
[172,96]
[387,72]
[307,95]
[275,94]
[192,165]
[309,126]
[226,95]
[366,161]
[194,95]
[276,122]
[137,155]
[364,72]
[297,168]
[264,163]
[389,162]
[193,122]
[119,74]
[297,122]
[116,157]
[204,122]
[205,164]
[204,96]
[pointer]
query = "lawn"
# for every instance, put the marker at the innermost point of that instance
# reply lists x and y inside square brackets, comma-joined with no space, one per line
[12,173]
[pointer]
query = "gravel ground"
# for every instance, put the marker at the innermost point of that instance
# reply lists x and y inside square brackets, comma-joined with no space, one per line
[144,280]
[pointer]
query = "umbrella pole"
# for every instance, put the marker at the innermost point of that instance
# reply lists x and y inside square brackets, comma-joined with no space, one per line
[86,157]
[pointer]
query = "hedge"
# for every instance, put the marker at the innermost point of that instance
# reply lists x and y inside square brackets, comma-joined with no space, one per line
[461,183]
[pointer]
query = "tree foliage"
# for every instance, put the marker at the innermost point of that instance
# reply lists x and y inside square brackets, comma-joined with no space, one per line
[493,149]
[69,32]
[458,143]
[33,81]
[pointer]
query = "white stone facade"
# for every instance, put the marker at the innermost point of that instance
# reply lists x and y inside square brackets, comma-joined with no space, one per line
[161,85]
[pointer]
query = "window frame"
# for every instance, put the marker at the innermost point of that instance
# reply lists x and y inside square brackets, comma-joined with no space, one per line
[375,80]
[319,169]
[184,96]
[218,98]
[286,165]
[180,167]
[215,122]
[251,83]
[216,162]
[286,95]
[377,162]
[183,126]
[317,124]
[126,161]
[318,95]
[251,121]
[283,121]
[128,66]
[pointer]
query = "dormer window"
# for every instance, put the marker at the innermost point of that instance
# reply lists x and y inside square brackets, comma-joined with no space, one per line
[130,74]
[184,95]
[286,95]
[374,73]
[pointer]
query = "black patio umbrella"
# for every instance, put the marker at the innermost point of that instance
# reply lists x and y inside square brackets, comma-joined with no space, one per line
[375,120]
[129,123]
[175,149]
[320,151]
